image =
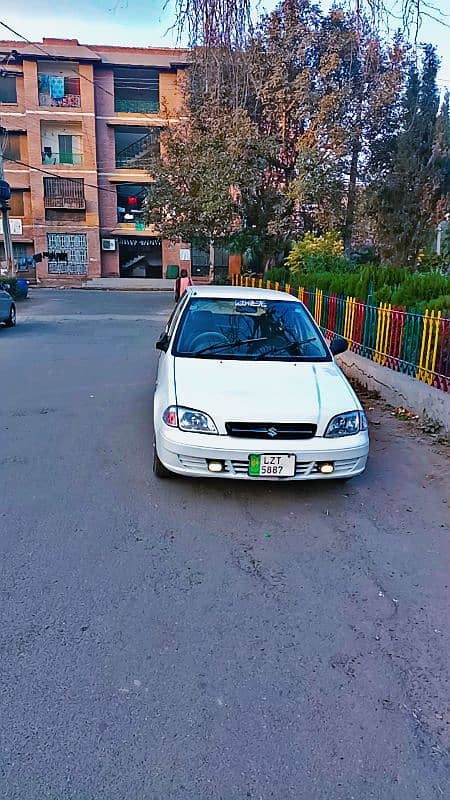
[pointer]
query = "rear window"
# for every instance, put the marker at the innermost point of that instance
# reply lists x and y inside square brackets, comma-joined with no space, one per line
[249,329]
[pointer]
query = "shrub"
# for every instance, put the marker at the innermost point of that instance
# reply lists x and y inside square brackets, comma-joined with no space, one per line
[318,254]
[441,304]
[376,284]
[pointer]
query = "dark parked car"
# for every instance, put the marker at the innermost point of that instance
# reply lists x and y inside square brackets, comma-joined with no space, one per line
[7,309]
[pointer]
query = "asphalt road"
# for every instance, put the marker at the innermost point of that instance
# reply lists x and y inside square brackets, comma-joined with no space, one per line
[205,640]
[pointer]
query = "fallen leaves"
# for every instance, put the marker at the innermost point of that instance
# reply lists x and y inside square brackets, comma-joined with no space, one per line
[404,414]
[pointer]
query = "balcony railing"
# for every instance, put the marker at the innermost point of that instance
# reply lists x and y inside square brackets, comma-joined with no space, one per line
[64,193]
[128,105]
[73,159]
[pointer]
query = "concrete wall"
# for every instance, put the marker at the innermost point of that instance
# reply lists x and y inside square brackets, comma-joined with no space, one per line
[398,389]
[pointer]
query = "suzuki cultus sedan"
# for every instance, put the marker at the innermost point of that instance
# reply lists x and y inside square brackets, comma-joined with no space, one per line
[248,388]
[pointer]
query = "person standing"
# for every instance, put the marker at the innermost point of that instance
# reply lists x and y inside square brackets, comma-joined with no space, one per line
[181,284]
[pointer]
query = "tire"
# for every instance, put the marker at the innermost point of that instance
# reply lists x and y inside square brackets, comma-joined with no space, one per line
[158,467]
[11,321]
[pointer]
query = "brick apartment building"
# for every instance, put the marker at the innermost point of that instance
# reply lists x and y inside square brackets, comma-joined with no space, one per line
[80,122]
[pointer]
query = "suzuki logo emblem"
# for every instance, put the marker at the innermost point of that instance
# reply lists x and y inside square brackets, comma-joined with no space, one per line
[272,432]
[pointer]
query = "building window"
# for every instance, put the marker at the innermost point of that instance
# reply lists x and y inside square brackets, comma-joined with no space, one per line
[75,245]
[135,146]
[12,149]
[136,90]
[64,193]
[8,89]
[130,202]
[59,86]
[16,203]
[23,258]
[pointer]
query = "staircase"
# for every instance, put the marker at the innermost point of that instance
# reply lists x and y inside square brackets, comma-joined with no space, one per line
[133,261]
[139,151]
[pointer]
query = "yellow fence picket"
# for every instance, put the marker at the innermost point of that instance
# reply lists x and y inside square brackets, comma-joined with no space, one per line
[318,301]
[429,346]
[383,327]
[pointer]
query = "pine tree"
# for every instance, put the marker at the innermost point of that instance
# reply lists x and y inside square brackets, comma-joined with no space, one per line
[402,169]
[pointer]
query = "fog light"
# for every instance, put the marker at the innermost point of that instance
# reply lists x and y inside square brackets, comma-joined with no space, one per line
[326,469]
[216,466]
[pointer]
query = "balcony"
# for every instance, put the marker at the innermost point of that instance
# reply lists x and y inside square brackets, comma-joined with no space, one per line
[136,147]
[136,90]
[59,85]
[73,159]
[62,144]
[64,193]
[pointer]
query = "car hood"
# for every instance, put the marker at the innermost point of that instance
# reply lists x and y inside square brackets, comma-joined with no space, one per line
[276,391]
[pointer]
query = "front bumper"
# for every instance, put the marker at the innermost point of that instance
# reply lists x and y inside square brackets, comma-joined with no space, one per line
[188,454]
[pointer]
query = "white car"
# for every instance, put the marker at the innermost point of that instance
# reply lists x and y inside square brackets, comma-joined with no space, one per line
[248,388]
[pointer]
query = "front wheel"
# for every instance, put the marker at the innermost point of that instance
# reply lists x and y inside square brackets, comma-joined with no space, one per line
[158,467]
[11,321]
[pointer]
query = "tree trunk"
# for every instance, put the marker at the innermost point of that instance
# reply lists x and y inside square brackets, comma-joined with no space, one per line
[351,196]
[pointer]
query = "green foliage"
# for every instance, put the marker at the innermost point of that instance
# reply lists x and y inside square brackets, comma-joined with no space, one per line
[408,168]
[420,286]
[376,284]
[441,304]
[307,121]
[280,274]
[207,180]
[431,262]
[317,254]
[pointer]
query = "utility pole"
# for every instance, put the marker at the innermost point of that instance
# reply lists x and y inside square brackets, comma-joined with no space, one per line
[5,195]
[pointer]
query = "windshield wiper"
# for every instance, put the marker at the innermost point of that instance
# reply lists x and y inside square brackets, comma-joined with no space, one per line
[288,346]
[213,347]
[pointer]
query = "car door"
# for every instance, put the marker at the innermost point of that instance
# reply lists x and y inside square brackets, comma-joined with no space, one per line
[5,305]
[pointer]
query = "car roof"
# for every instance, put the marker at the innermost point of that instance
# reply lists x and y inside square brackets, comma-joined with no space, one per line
[244,292]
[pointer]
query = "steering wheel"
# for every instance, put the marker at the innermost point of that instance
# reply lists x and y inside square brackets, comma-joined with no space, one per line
[207,339]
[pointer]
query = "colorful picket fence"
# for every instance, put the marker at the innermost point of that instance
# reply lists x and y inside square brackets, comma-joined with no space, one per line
[415,344]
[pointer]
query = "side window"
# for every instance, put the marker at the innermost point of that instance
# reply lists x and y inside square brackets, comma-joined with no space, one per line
[176,315]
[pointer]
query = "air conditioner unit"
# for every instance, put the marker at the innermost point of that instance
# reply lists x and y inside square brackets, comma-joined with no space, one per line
[108,244]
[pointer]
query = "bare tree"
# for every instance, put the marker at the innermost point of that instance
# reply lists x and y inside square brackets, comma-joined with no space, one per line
[217,33]
[407,15]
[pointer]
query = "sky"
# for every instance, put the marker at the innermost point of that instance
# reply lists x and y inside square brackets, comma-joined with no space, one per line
[144,23]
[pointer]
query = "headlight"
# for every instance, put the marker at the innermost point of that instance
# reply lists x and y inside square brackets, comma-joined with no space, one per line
[346,424]
[187,419]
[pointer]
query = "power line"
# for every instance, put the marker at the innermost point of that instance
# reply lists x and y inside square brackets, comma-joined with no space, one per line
[75,72]
[84,77]
[52,57]
[52,175]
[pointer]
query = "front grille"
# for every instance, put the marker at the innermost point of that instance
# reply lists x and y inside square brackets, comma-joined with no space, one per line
[273,431]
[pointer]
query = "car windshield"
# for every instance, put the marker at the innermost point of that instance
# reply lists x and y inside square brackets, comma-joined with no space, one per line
[248,328]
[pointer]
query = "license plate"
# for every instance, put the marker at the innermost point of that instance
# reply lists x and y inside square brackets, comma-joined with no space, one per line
[271,466]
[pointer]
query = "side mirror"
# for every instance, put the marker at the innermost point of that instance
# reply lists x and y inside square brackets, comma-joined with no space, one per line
[338,345]
[163,343]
